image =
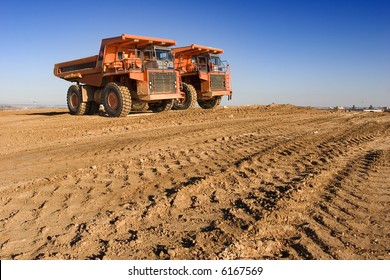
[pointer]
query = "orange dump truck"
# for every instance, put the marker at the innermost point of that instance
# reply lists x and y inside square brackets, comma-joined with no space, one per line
[205,77]
[129,73]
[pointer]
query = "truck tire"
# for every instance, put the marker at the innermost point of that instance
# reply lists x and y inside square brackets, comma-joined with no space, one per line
[75,102]
[188,101]
[163,105]
[116,100]
[139,106]
[93,108]
[210,103]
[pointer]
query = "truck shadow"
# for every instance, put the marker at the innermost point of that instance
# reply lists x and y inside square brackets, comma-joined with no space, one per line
[49,114]
[131,114]
[100,113]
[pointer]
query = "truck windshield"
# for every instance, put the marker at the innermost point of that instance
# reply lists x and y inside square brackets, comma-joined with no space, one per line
[158,58]
[217,64]
[216,60]
[163,55]
[164,59]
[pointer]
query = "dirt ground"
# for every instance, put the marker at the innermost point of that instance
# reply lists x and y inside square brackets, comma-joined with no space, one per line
[255,182]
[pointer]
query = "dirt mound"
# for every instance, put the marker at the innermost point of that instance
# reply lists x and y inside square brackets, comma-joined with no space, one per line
[257,182]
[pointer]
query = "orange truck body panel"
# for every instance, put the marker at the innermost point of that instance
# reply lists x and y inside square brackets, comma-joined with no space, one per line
[196,67]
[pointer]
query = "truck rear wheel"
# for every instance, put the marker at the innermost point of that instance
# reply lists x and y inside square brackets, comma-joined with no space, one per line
[116,100]
[163,105]
[139,106]
[189,98]
[75,102]
[93,108]
[210,103]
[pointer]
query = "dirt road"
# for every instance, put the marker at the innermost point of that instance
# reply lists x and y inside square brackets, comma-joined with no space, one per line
[258,182]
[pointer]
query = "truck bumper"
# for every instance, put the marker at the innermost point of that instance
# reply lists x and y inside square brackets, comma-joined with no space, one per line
[211,94]
[153,97]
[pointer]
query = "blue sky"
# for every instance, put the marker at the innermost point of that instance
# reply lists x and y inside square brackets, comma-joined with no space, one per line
[308,53]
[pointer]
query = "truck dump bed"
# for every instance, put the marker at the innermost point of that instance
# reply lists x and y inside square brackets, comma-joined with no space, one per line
[90,70]
[195,50]
[76,68]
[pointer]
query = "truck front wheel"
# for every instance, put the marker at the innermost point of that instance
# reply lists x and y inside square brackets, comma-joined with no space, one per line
[189,98]
[75,102]
[116,100]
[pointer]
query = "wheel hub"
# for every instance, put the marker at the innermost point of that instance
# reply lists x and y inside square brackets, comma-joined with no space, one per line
[74,100]
[112,100]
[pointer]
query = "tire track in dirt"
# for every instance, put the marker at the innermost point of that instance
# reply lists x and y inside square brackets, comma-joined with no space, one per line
[264,200]
[268,203]
[145,194]
[146,175]
[344,214]
[271,196]
[42,155]
[332,226]
[252,187]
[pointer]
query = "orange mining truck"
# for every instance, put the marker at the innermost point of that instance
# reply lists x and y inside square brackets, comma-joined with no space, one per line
[129,73]
[205,77]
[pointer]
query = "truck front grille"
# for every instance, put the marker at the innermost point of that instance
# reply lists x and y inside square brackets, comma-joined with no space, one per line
[217,82]
[162,82]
